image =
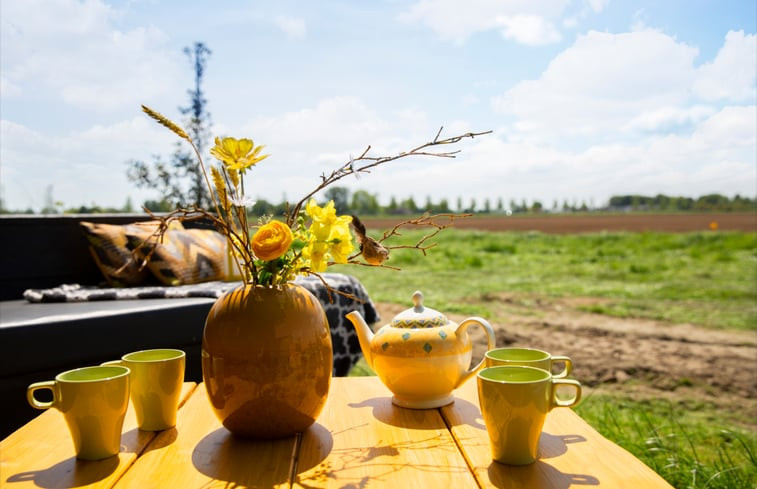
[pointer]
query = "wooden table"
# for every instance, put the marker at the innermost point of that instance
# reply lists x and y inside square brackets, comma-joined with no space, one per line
[360,440]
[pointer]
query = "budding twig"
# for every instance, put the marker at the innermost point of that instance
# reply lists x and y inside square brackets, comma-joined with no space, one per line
[373,161]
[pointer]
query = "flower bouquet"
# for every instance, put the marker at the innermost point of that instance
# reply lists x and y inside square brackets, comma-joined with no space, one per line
[266,349]
[310,237]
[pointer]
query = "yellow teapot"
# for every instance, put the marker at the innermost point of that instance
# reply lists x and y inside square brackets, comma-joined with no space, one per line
[421,356]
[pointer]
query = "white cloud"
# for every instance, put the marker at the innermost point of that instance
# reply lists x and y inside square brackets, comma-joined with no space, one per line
[8,88]
[597,5]
[528,29]
[732,74]
[521,20]
[73,49]
[668,118]
[602,85]
[629,113]
[307,143]
[717,156]
[292,27]
[82,166]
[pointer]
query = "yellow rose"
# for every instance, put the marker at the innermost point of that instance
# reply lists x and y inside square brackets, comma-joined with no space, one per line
[272,240]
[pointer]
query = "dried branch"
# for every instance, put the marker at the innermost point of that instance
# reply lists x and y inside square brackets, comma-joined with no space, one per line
[351,167]
[425,220]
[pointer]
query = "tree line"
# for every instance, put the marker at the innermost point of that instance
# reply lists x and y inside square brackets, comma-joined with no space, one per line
[364,203]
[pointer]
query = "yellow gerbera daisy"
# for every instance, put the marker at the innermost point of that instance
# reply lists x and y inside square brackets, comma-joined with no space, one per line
[237,154]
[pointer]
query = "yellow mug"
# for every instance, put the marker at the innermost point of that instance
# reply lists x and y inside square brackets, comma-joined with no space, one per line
[156,380]
[93,401]
[514,403]
[529,357]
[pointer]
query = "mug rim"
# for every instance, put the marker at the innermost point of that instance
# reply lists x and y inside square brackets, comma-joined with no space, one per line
[177,354]
[545,375]
[124,371]
[545,355]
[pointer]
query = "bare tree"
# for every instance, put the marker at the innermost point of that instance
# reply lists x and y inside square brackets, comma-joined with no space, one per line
[180,182]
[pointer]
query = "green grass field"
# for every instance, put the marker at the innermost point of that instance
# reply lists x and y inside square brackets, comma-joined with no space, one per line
[707,279]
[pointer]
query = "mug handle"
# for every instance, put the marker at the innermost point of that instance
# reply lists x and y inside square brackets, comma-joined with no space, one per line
[490,344]
[566,402]
[568,366]
[33,402]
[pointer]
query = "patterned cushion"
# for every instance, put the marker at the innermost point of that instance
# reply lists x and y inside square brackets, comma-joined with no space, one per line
[186,256]
[113,256]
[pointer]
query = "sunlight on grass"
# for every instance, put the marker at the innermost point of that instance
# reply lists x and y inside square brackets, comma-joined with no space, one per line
[678,442]
[708,279]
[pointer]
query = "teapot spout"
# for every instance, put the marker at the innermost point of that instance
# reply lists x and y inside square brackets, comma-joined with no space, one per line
[364,334]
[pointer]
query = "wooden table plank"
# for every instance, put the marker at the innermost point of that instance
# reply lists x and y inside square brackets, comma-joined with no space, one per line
[570,452]
[362,440]
[200,452]
[41,454]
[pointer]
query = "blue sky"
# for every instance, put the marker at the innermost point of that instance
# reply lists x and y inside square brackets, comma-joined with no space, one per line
[587,98]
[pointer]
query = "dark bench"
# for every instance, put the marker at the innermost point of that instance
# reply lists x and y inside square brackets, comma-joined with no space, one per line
[40,340]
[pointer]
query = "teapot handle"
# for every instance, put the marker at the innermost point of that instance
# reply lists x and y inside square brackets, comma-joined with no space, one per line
[490,344]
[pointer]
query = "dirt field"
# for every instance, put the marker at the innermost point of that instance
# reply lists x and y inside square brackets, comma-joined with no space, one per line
[596,223]
[643,359]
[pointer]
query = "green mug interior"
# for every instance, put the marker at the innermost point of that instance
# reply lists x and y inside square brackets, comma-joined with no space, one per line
[514,374]
[517,354]
[153,355]
[89,374]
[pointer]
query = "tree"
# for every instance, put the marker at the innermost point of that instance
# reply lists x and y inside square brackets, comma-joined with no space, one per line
[341,198]
[429,204]
[128,206]
[364,203]
[408,206]
[181,181]
[443,206]
[262,207]
[162,205]
[49,203]
[393,206]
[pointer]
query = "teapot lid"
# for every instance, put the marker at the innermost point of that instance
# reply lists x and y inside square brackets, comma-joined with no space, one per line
[419,316]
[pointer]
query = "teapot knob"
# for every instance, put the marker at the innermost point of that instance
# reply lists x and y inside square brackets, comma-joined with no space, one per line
[418,300]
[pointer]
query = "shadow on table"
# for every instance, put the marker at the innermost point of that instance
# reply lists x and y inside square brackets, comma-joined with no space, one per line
[322,465]
[162,439]
[220,455]
[385,411]
[534,474]
[68,473]
[551,446]
[467,411]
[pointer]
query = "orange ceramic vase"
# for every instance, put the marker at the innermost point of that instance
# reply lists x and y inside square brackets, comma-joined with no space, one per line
[267,360]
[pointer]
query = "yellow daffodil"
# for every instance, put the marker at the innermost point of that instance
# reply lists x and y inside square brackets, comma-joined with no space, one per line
[324,219]
[341,247]
[237,154]
[329,237]
[315,256]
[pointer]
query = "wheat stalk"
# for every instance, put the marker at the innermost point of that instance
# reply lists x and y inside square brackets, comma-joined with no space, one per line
[166,122]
